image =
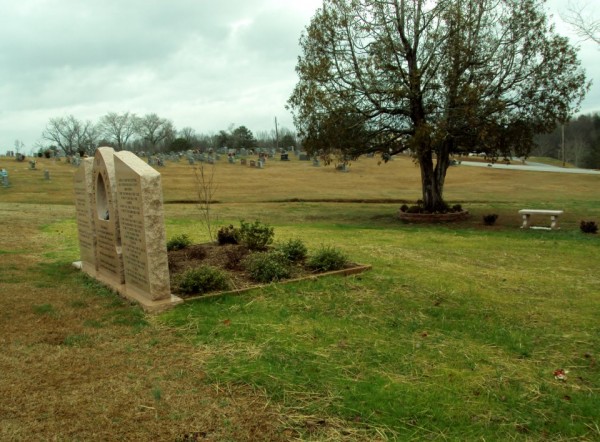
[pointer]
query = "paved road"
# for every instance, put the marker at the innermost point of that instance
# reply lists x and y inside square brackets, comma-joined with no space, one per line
[531,167]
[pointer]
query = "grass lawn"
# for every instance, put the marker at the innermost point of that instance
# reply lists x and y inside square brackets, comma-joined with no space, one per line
[455,334]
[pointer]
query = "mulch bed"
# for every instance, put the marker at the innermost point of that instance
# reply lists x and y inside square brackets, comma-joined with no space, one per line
[228,258]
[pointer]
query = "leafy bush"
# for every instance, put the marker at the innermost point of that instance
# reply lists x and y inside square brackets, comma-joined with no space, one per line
[588,227]
[203,280]
[294,250]
[267,266]
[256,236]
[228,235]
[327,258]
[179,242]
[456,208]
[403,208]
[490,220]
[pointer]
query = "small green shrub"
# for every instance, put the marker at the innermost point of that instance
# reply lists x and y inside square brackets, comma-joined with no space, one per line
[456,208]
[203,280]
[228,235]
[490,220]
[256,236]
[403,208]
[267,266]
[327,258]
[179,242]
[588,227]
[294,250]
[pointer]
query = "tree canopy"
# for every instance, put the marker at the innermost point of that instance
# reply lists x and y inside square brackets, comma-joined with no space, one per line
[242,138]
[435,78]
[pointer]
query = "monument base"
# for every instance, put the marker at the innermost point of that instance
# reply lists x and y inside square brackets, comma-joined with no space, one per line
[148,305]
[85,267]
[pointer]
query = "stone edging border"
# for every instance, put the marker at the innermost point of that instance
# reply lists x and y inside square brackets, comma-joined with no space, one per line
[433,217]
[355,269]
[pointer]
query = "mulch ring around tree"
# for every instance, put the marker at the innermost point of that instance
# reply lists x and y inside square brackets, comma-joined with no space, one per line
[229,259]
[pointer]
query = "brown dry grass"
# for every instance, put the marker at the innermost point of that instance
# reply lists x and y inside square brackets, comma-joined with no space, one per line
[397,180]
[78,366]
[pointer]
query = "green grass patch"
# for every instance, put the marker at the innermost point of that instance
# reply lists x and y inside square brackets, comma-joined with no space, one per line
[454,334]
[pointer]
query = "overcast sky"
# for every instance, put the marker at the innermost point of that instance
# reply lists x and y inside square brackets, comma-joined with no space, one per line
[206,64]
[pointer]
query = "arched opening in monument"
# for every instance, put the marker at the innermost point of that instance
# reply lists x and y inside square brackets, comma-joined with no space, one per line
[101,198]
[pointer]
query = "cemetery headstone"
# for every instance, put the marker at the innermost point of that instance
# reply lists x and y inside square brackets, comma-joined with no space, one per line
[304,156]
[4,177]
[243,161]
[316,162]
[284,157]
[47,175]
[32,165]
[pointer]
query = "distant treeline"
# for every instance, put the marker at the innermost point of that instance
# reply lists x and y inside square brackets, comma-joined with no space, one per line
[581,142]
[149,133]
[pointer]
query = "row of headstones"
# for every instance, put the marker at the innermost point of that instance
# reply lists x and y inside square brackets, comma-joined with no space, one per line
[6,182]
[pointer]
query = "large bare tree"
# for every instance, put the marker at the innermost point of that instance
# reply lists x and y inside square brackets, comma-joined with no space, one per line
[71,135]
[434,77]
[118,128]
[155,130]
[582,18]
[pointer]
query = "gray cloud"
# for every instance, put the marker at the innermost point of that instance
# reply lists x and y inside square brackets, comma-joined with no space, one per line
[201,63]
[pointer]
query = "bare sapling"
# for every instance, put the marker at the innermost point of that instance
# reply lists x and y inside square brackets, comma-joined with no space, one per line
[206,188]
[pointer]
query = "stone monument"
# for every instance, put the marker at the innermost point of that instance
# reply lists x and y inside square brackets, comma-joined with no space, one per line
[123,244]
[83,184]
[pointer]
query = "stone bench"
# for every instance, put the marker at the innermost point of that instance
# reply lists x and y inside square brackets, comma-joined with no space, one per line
[554,214]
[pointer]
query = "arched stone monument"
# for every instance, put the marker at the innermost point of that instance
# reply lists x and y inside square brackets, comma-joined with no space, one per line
[124,243]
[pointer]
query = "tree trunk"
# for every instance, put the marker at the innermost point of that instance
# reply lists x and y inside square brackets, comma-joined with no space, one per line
[432,180]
